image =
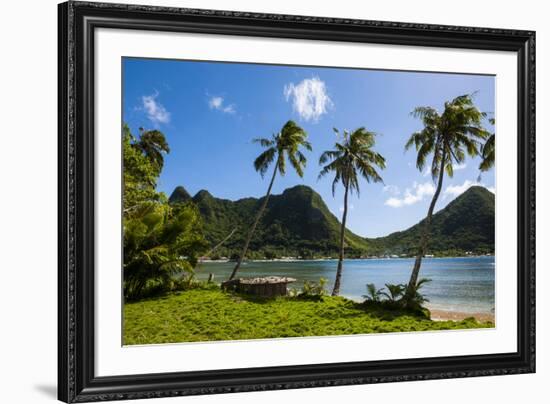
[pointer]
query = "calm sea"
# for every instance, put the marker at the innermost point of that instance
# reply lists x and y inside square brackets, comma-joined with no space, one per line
[458,284]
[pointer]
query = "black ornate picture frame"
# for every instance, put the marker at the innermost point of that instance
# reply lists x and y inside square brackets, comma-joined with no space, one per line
[76,353]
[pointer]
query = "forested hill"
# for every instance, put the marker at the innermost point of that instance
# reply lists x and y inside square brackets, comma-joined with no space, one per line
[298,223]
[465,224]
[295,223]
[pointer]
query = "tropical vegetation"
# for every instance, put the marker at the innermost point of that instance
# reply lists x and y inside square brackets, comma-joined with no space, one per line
[488,151]
[164,239]
[351,159]
[298,223]
[283,146]
[207,314]
[447,138]
[160,240]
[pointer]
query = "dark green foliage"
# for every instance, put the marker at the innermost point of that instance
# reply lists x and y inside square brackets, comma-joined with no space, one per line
[140,175]
[395,292]
[159,240]
[179,195]
[449,136]
[156,237]
[295,223]
[373,294]
[153,145]
[466,224]
[415,299]
[352,159]
[396,299]
[488,152]
[298,223]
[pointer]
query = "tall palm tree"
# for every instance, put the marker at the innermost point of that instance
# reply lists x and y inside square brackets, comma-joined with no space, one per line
[447,137]
[488,151]
[350,159]
[281,147]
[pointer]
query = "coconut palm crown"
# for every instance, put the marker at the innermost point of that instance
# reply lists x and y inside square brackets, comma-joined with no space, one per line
[488,152]
[447,138]
[350,160]
[280,148]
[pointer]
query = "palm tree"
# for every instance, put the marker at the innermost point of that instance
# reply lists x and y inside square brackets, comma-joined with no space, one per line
[281,147]
[352,158]
[373,294]
[447,137]
[394,291]
[488,151]
[153,144]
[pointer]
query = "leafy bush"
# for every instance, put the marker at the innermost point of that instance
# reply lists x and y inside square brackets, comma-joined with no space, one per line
[310,290]
[160,240]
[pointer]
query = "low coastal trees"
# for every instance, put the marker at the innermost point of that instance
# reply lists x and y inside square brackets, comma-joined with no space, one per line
[350,159]
[447,137]
[159,240]
[283,146]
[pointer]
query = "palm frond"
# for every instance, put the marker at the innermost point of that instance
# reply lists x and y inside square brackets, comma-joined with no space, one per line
[262,162]
[264,142]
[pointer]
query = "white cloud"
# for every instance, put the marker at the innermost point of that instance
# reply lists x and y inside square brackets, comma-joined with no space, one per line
[457,167]
[309,98]
[412,196]
[155,110]
[455,190]
[217,103]
[391,189]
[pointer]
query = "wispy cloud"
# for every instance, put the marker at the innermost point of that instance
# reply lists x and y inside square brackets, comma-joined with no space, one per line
[427,171]
[455,190]
[218,103]
[391,189]
[155,110]
[309,98]
[411,195]
[350,207]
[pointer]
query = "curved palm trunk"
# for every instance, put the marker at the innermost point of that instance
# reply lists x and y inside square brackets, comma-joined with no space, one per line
[254,225]
[425,235]
[336,289]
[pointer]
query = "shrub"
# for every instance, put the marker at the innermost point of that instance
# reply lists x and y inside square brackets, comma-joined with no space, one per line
[413,299]
[395,292]
[373,294]
[310,290]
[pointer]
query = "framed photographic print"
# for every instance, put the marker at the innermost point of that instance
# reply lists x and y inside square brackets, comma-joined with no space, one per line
[253,201]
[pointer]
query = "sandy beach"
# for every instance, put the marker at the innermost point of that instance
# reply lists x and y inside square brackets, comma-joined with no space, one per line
[441,315]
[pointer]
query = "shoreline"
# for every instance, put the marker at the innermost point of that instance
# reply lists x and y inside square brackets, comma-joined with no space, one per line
[221,261]
[444,315]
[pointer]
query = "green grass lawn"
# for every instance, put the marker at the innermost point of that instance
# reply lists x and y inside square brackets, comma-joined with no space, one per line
[213,315]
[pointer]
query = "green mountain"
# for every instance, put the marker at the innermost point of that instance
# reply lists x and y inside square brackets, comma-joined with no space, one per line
[295,223]
[179,195]
[465,224]
[298,223]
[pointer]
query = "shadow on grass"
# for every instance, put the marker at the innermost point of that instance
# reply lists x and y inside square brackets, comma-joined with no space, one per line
[389,311]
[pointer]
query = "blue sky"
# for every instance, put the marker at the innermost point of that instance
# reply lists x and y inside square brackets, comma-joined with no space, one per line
[211,111]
